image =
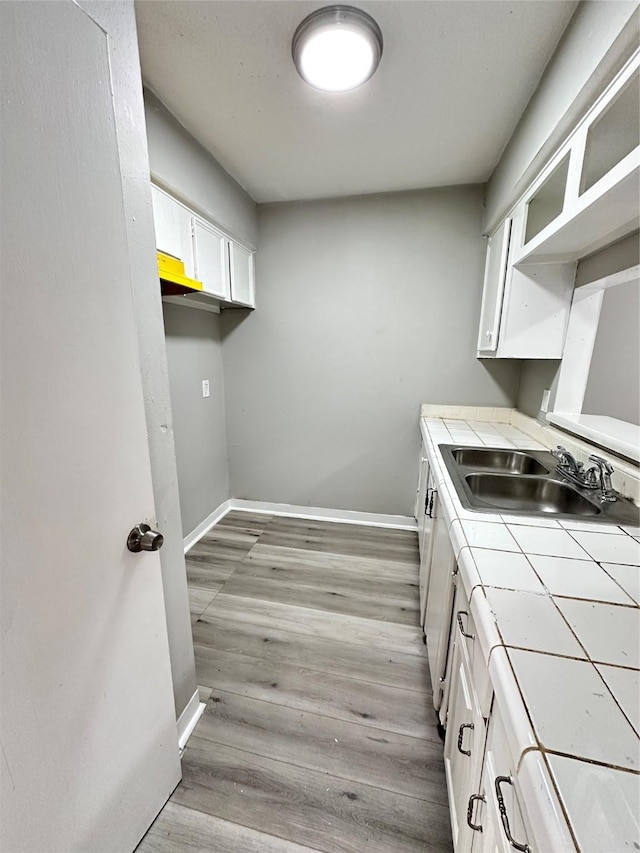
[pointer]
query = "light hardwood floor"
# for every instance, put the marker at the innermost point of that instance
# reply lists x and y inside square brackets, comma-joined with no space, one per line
[319,732]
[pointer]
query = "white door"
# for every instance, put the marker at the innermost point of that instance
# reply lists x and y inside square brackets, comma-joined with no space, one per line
[89,743]
[242,275]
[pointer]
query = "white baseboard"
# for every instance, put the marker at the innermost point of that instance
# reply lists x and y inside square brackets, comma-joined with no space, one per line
[314,513]
[206,525]
[188,719]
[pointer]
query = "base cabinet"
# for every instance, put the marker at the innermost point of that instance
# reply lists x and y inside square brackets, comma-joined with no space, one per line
[466,726]
[501,797]
[498,816]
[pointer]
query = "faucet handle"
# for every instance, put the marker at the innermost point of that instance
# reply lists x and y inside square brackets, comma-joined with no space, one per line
[565,458]
[605,466]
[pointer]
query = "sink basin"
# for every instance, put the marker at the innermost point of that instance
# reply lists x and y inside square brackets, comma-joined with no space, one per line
[529,494]
[526,482]
[509,461]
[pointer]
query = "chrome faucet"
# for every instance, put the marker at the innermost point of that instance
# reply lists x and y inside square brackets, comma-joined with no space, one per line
[596,478]
[569,466]
[600,475]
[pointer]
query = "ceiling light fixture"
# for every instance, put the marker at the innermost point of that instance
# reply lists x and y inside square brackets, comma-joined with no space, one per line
[337,48]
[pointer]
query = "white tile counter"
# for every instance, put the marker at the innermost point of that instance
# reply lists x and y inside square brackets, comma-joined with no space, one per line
[556,609]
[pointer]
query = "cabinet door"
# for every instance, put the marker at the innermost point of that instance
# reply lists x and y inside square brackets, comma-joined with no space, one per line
[494,278]
[466,730]
[173,226]
[426,540]
[437,623]
[419,511]
[242,275]
[211,261]
[498,781]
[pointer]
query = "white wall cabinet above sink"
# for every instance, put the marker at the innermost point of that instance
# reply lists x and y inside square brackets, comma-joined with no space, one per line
[525,310]
[586,198]
[223,265]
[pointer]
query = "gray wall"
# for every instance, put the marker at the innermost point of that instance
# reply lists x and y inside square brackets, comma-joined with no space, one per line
[613,387]
[619,256]
[539,375]
[599,38]
[184,168]
[194,354]
[366,308]
[181,165]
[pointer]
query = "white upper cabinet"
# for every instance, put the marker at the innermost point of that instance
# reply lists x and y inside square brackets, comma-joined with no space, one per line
[212,260]
[494,277]
[587,197]
[584,199]
[173,225]
[225,267]
[525,309]
[242,275]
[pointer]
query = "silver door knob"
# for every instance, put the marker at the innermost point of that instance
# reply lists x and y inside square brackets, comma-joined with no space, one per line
[143,538]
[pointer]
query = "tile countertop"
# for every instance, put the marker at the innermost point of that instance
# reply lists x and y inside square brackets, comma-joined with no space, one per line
[556,607]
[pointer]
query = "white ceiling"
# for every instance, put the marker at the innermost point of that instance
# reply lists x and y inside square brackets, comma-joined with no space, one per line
[454,79]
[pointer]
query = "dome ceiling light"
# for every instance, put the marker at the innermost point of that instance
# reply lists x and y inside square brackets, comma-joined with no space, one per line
[337,48]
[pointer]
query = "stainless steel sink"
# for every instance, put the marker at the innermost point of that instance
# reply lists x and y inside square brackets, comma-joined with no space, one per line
[490,459]
[514,482]
[533,494]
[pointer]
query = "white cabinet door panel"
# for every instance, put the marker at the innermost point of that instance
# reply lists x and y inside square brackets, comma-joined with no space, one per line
[499,765]
[242,275]
[494,279]
[173,225]
[211,260]
[437,622]
[430,510]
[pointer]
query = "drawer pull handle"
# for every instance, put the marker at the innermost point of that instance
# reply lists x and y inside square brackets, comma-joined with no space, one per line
[429,509]
[461,735]
[523,848]
[459,616]
[475,826]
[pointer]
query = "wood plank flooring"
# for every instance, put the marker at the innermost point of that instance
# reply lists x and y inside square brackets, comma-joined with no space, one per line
[319,732]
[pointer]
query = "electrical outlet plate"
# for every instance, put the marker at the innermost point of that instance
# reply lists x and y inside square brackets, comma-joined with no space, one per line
[544,406]
[205,387]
